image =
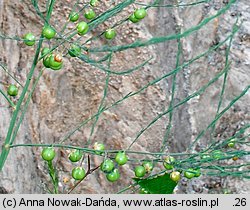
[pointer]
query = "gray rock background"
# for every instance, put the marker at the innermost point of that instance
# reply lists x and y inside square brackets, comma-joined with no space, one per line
[65,98]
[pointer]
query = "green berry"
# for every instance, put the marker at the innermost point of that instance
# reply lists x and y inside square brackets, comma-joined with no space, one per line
[197,172]
[107,166]
[45,51]
[75,156]
[12,90]
[56,67]
[46,61]
[78,173]
[74,50]
[169,162]
[48,154]
[90,14]
[190,173]
[140,13]
[231,143]
[110,33]
[121,158]
[94,3]
[73,16]
[133,19]
[140,171]
[48,32]
[29,39]
[148,165]
[99,147]
[205,156]
[175,176]
[82,28]
[113,175]
[53,63]
[217,154]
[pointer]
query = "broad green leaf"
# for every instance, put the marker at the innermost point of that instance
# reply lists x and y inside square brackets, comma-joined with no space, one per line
[157,185]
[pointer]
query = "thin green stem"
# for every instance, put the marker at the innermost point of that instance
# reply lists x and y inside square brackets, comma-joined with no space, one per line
[92,151]
[5,148]
[168,128]
[174,5]
[8,99]
[19,122]
[84,122]
[99,112]
[53,176]
[225,77]
[218,116]
[157,40]
[195,94]
[7,71]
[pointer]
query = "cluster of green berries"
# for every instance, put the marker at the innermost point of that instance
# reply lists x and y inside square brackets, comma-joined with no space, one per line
[189,173]
[78,173]
[50,60]
[48,32]
[169,163]
[89,13]
[142,170]
[82,27]
[214,155]
[108,166]
[138,15]
[53,61]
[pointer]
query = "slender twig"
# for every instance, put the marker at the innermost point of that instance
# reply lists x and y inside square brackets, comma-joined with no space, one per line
[8,99]
[89,171]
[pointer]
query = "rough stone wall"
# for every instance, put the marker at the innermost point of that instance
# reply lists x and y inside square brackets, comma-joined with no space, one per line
[65,98]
